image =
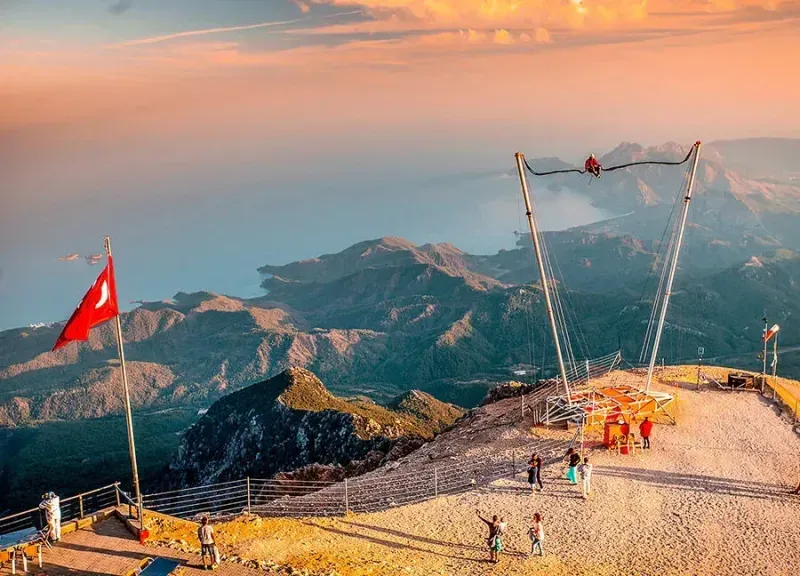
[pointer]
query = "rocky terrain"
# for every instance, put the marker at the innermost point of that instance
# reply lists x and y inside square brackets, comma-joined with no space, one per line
[290,422]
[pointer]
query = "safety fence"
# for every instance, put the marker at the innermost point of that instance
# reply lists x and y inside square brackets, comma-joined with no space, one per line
[582,373]
[72,508]
[369,493]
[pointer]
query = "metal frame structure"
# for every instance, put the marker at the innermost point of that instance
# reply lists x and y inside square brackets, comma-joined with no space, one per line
[592,406]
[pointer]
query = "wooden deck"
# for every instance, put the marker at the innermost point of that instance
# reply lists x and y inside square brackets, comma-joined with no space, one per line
[108,549]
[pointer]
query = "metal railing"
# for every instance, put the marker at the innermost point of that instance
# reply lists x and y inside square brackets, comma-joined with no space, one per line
[372,493]
[582,373]
[72,508]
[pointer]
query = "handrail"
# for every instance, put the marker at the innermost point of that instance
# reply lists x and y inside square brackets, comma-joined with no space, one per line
[125,495]
[70,499]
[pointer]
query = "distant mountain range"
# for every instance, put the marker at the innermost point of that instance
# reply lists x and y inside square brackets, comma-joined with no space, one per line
[385,316]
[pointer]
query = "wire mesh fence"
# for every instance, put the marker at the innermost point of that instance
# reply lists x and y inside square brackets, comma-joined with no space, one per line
[369,493]
[72,508]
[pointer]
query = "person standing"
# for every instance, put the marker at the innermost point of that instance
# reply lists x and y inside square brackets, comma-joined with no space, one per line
[572,470]
[495,541]
[51,504]
[645,428]
[536,534]
[206,536]
[535,472]
[586,477]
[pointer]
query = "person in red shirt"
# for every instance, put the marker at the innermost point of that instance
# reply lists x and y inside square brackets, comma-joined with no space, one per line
[644,430]
[592,166]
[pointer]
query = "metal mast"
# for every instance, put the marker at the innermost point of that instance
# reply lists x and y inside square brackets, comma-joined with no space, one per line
[128,419]
[674,264]
[545,287]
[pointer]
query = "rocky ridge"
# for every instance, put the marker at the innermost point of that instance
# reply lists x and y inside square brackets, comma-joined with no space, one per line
[292,424]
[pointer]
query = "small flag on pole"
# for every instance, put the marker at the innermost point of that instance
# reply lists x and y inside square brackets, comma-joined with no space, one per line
[771,332]
[99,305]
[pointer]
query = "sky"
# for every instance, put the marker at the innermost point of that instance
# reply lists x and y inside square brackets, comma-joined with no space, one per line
[209,137]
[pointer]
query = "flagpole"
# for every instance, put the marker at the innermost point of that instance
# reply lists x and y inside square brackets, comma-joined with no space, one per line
[775,357]
[128,418]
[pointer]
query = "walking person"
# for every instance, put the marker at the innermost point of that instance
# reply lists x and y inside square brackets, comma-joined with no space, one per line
[536,534]
[572,470]
[51,505]
[535,472]
[586,477]
[645,428]
[207,545]
[495,540]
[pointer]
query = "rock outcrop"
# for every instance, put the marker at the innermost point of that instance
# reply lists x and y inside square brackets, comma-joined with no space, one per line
[292,425]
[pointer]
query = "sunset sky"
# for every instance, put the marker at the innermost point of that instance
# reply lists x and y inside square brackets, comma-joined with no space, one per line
[212,136]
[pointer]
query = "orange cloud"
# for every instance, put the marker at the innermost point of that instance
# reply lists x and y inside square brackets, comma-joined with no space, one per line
[415,14]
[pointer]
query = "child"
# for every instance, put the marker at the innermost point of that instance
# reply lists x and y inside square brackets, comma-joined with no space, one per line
[586,476]
[536,534]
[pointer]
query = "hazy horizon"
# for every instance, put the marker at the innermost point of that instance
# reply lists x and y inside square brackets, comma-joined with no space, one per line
[211,137]
[478,216]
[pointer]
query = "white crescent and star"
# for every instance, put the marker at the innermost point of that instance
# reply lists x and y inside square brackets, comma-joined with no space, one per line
[103,295]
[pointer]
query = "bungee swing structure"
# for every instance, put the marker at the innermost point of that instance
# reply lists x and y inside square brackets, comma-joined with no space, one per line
[581,403]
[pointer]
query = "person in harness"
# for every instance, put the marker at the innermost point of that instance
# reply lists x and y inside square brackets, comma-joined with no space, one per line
[592,166]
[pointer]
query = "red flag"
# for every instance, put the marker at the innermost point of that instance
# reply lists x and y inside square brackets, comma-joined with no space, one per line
[770,333]
[98,305]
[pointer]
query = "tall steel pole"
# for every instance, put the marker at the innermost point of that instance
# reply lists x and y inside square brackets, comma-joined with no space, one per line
[668,291]
[128,417]
[764,338]
[545,287]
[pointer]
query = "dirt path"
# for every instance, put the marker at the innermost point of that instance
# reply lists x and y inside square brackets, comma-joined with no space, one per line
[710,498]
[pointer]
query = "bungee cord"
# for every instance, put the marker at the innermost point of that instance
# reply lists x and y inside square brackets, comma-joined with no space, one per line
[611,168]
[561,315]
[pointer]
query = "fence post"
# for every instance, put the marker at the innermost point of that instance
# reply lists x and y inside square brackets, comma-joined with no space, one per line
[523,406]
[116,491]
[513,463]
[346,498]
[80,506]
[435,482]
[248,494]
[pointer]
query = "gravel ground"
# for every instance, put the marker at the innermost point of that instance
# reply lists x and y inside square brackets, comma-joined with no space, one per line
[712,497]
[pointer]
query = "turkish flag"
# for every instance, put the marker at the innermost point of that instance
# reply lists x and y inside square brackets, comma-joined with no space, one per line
[98,306]
[770,333]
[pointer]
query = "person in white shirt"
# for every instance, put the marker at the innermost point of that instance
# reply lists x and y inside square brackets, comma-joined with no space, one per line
[206,535]
[536,534]
[51,504]
[586,476]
